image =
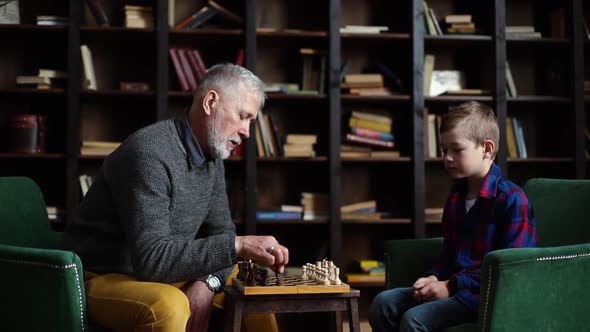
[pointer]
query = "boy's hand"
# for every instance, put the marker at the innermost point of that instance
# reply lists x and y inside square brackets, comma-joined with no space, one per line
[420,284]
[436,290]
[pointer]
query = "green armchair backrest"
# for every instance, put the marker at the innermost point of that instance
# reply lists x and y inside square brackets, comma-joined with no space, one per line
[562,210]
[23,216]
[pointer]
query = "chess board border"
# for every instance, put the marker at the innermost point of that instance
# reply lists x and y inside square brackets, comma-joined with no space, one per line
[289,289]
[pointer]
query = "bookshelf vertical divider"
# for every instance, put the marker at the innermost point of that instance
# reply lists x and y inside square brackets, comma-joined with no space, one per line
[499,104]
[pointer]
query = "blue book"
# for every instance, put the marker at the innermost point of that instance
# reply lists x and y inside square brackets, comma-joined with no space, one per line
[278,215]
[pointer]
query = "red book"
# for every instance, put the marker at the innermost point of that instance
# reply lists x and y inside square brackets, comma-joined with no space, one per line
[186,68]
[177,67]
[192,59]
[200,61]
[240,57]
[368,141]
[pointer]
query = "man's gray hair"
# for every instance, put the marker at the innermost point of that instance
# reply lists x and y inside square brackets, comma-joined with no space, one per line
[226,78]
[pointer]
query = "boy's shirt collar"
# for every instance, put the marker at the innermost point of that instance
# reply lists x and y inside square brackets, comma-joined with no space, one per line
[489,185]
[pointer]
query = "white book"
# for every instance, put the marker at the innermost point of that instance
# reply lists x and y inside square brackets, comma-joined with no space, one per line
[89,75]
[510,81]
[446,80]
[83,184]
[432,136]
[428,69]
[9,13]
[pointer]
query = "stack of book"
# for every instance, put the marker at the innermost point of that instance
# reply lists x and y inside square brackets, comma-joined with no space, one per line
[365,85]
[460,24]
[369,272]
[98,148]
[189,67]
[363,29]
[46,79]
[51,20]
[138,17]
[522,31]
[300,145]
[268,141]
[315,206]
[371,129]
[360,211]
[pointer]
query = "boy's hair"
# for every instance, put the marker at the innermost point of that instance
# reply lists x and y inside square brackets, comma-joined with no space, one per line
[477,120]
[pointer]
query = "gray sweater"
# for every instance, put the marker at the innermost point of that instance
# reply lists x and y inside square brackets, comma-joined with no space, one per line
[157,210]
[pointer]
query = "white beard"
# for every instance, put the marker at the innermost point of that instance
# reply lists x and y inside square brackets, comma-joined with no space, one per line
[218,143]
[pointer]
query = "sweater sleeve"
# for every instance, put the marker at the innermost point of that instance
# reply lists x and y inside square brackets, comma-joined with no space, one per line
[141,187]
[219,220]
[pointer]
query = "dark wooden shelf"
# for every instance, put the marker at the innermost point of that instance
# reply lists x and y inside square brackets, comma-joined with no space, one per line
[389,36]
[92,157]
[31,92]
[98,94]
[292,159]
[540,160]
[510,41]
[209,32]
[10,155]
[291,222]
[279,97]
[403,221]
[374,99]
[290,33]
[457,39]
[538,99]
[458,99]
[115,30]
[32,28]
[403,160]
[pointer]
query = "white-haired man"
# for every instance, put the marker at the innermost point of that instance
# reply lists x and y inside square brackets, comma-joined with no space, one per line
[154,231]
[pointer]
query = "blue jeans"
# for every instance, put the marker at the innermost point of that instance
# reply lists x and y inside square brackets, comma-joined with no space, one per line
[396,310]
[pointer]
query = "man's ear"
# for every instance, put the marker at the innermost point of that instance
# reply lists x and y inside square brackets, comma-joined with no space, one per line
[489,148]
[210,101]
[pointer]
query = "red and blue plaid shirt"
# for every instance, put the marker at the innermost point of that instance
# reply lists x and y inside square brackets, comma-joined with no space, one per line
[501,217]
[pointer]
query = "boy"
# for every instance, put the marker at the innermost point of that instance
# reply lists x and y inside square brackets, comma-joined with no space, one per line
[484,212]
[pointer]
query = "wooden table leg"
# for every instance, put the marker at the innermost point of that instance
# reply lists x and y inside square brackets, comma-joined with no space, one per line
[353,314]
[338,319]
[234,309]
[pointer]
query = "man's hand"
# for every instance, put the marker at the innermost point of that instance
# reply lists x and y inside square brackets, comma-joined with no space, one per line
[265,250]
[200,298]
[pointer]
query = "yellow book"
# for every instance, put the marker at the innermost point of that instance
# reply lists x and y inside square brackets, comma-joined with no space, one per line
[510,139]
[372,125]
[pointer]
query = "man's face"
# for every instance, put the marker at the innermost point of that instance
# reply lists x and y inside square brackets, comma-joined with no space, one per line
[230,122]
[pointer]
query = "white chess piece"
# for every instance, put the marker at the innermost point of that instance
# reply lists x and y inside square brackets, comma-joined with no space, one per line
[337,280]
[304,276]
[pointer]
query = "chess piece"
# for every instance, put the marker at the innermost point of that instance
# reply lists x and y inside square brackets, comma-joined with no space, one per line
[280,279]
[251,278]
[337,280]
[304,275]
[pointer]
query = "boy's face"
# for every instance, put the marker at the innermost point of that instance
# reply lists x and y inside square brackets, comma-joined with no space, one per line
[462,157]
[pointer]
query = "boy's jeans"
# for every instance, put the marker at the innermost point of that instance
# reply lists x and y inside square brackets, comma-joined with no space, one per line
[396,310]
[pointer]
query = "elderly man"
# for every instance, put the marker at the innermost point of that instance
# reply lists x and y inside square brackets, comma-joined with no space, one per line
[154,231]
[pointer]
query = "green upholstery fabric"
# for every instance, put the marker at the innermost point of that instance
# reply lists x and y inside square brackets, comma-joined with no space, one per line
[42,288]
[527,289]
[562,209]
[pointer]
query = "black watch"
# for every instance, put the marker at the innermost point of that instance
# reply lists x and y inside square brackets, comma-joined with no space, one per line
[213,283]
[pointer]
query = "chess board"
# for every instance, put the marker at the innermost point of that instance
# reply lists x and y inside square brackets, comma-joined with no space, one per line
[291,285]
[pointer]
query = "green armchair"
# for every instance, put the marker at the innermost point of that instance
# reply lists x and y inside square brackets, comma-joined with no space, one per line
[42,286]
[525,289]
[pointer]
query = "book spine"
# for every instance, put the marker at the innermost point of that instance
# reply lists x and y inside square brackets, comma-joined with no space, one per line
[372,134]
[358,139]
[372,125]
[186,68]
[98,12]
[179,73]
[277,215]
[200,61]
[194,65]
[372,117]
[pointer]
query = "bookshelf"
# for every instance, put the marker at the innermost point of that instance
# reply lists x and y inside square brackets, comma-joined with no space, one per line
[554,114]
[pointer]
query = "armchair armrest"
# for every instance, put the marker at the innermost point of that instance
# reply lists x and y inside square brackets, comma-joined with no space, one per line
[406,260]
[43,290]
[536,289]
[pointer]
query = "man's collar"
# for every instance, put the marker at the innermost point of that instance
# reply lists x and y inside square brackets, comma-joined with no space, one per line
[195,154]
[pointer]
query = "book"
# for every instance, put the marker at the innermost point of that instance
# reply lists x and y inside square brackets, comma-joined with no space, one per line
[226,13]
[182,81]
[278,215]
[32,80]
[360,207]
[457,18]
[369,141]
[291,208]
[364,278]
[445,80]
[361,216]
[385,154]
[368,133]
[368,124]
[98,12]
[428,69]
[186,68]
[301,139]
[510,81]
[88,69]
[511,139]
[372,116]
[52,73]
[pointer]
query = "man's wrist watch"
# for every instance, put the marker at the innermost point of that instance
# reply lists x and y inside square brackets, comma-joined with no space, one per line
[213,283]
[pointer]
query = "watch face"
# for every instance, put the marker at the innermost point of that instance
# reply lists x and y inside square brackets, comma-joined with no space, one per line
[214,282]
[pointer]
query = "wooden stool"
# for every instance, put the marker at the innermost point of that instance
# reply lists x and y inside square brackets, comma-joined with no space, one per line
[237,304]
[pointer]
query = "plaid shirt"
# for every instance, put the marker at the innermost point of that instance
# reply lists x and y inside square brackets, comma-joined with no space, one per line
[502,217]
